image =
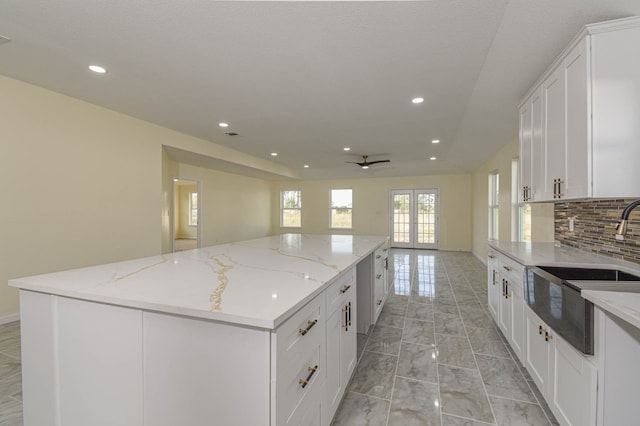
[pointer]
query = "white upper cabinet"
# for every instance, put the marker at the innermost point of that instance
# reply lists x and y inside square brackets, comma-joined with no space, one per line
[579,125]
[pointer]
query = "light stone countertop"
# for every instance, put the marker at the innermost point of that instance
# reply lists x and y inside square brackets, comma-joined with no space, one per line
[625,305]
[258,283]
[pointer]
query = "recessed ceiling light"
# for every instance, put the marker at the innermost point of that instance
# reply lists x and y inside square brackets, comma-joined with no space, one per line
[98,69]
[223,124]
[417,100]
[346,148]
[432,158]
[274,154]
[306,166]
[435,141]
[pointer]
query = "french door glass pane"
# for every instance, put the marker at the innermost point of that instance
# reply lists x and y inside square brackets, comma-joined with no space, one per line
[426,218]
[401,218]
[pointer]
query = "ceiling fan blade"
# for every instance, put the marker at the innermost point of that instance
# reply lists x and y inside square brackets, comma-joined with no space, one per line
[379,161]
[354,162]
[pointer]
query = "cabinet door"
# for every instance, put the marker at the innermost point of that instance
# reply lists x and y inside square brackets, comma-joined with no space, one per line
[494,293]
[554,133]
[578,137]
[505,306]
[348,347]
[538,165]
[517,338]
[537,351]
[524,192]
[574,385]
[333,381]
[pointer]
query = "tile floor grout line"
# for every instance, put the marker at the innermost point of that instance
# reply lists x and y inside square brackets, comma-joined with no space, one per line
[475,360]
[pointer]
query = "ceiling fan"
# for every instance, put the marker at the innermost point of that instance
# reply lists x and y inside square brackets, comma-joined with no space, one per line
[365,164]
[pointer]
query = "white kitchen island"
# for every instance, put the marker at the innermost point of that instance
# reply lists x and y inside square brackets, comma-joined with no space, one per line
[235,334]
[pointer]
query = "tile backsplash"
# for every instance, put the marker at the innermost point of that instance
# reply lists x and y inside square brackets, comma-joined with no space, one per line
[594,228]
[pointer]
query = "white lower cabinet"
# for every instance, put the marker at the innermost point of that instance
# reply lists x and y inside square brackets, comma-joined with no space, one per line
[372,269]
[159,369]
[506,299]
[566,378]
[341,343]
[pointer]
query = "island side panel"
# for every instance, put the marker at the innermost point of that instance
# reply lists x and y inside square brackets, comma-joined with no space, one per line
[80,359]
[200,372]
[37,323]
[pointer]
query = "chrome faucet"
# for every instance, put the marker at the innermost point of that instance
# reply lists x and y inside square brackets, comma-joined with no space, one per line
[621,227]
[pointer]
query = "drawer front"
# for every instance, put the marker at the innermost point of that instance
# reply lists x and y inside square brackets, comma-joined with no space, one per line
[511,269]
[299,386]
[340,290]
[305,330]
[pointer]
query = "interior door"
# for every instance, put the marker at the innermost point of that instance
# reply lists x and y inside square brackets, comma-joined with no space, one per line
[414,218]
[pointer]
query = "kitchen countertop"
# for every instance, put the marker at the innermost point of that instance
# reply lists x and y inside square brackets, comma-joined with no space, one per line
[623,304]
[257,283]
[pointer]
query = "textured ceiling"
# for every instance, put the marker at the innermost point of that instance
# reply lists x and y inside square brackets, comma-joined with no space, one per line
[305,79]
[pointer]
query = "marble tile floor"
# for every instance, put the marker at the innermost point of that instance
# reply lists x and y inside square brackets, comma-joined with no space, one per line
[10,375]
[435,356]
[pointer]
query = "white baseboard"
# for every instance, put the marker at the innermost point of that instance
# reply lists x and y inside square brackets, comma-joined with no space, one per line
[483,260]
[9,318]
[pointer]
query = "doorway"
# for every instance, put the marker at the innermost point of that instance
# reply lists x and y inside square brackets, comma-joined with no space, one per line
[414,218]
[186,220]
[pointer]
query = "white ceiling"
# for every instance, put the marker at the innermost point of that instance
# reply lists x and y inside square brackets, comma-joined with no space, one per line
[305,79]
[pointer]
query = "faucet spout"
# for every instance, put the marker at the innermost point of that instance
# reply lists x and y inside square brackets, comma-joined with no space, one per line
[621,228]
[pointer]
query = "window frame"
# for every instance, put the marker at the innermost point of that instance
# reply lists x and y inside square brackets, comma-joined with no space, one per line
[283,209]
[494,205]
[191,209]
[332,208]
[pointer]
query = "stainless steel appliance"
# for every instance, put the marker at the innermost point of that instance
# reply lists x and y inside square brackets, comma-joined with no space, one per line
[553,293]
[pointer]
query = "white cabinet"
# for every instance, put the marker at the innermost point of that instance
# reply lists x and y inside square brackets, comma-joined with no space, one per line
[618,344]
[589,103]
[566,378]
[341,341]
[374,268]
[493,284]
[506,298]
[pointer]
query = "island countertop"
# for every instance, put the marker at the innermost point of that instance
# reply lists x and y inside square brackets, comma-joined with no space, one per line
[258,283]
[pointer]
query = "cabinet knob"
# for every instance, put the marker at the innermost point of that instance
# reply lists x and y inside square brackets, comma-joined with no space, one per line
[379,302]
[378,256]
[378,276]
[491,256]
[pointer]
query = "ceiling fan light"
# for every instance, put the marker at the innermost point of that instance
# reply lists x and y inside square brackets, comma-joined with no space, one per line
[365,167]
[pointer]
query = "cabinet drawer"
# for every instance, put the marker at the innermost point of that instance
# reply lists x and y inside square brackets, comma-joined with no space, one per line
[512,268]
[299,386]
[300,334]
[339,291]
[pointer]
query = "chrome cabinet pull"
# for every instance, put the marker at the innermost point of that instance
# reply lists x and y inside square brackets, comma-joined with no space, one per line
[305,382]
[310,324]
[345,288]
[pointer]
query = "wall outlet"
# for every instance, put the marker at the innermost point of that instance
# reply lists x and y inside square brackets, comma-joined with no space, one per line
[571,224]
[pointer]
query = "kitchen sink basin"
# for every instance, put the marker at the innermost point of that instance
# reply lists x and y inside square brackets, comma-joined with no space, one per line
[589,274]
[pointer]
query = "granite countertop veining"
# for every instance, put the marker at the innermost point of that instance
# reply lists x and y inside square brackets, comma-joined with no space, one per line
[623,304]
[257,283]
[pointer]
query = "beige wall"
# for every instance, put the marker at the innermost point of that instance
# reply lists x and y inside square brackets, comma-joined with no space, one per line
[82,185]
[234,207]
[371,198]
[541,214]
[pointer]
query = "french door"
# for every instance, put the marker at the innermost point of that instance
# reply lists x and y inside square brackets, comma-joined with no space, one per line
[414,218]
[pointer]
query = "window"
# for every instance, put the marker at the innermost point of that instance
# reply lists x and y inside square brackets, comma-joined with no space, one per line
[193,209]
[341,208]
[291,209]
[525,223]
[494,196]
